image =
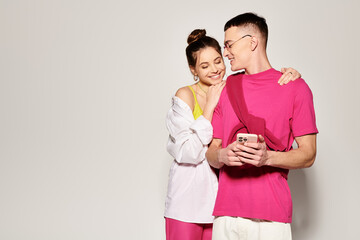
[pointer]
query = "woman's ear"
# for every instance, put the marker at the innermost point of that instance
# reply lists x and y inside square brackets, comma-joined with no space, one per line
[192,69]
[196,77]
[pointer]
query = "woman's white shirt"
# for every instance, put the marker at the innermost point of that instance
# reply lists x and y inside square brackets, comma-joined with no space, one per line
[193,184]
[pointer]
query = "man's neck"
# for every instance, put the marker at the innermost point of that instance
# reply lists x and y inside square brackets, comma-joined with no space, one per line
[257,65]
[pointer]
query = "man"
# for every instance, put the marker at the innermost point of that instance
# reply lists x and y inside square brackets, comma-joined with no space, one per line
[254,200]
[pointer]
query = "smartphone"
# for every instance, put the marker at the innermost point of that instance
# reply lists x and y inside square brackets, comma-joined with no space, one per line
[246,137]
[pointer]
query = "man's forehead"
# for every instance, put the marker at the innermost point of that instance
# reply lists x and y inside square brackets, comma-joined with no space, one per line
[233,32]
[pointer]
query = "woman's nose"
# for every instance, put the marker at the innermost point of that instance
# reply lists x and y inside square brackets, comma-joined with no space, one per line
[214,69]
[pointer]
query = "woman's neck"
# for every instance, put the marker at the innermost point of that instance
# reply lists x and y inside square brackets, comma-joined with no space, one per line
[202,87]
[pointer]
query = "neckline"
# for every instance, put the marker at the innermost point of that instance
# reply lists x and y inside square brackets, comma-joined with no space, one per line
[259,74]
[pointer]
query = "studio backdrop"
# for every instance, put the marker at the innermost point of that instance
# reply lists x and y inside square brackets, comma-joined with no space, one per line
[85,86]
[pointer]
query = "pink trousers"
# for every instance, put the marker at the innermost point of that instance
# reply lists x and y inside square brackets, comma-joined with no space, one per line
[177,230]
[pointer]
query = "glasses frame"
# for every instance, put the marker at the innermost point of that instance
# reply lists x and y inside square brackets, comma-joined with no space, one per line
[228,46]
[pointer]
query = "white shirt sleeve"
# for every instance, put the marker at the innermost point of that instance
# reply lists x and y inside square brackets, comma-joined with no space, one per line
[188,138]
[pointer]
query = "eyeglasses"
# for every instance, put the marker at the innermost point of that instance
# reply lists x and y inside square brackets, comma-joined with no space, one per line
[228,46]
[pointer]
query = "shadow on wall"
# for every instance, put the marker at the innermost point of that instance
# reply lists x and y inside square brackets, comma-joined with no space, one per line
[304,210]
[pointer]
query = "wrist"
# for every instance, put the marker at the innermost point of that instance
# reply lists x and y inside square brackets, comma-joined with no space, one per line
[218,154]
[270,158]
[220,160]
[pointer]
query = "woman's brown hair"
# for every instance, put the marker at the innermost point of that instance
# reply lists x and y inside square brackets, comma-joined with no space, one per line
[198,40]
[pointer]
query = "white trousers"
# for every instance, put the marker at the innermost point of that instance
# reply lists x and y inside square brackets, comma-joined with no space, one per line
[237,228]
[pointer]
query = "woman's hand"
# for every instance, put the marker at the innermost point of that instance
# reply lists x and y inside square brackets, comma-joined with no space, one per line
[289,74]
[212,99]
[213,94]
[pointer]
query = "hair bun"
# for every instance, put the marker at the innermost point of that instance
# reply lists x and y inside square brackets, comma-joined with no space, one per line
[196,35]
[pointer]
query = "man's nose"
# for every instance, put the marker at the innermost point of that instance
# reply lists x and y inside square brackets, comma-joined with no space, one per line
[226,52]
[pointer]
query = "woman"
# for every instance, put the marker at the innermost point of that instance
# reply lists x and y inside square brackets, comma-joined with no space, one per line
[193,183]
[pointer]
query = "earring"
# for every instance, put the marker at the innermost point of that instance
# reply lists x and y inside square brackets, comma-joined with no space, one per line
[196,78]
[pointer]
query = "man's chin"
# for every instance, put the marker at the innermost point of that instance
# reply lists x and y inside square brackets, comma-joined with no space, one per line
[235,68]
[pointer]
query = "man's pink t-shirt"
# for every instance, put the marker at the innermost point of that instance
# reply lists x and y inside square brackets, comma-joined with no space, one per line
[263,193]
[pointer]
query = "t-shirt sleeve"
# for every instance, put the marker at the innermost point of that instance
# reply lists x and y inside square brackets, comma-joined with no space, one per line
[217,120]
[303,119]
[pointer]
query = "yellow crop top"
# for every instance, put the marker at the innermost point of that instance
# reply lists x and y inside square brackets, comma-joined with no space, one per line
[197,109]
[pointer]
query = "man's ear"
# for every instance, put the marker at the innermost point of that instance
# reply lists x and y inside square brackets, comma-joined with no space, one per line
[254,43]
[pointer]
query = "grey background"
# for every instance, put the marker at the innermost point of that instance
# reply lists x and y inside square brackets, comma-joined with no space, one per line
[85,87]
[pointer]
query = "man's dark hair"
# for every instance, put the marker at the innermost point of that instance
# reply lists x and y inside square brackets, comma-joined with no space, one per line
[252,19]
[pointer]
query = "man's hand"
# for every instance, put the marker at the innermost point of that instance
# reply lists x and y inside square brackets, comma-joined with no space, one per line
[229,156]
[253,153]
